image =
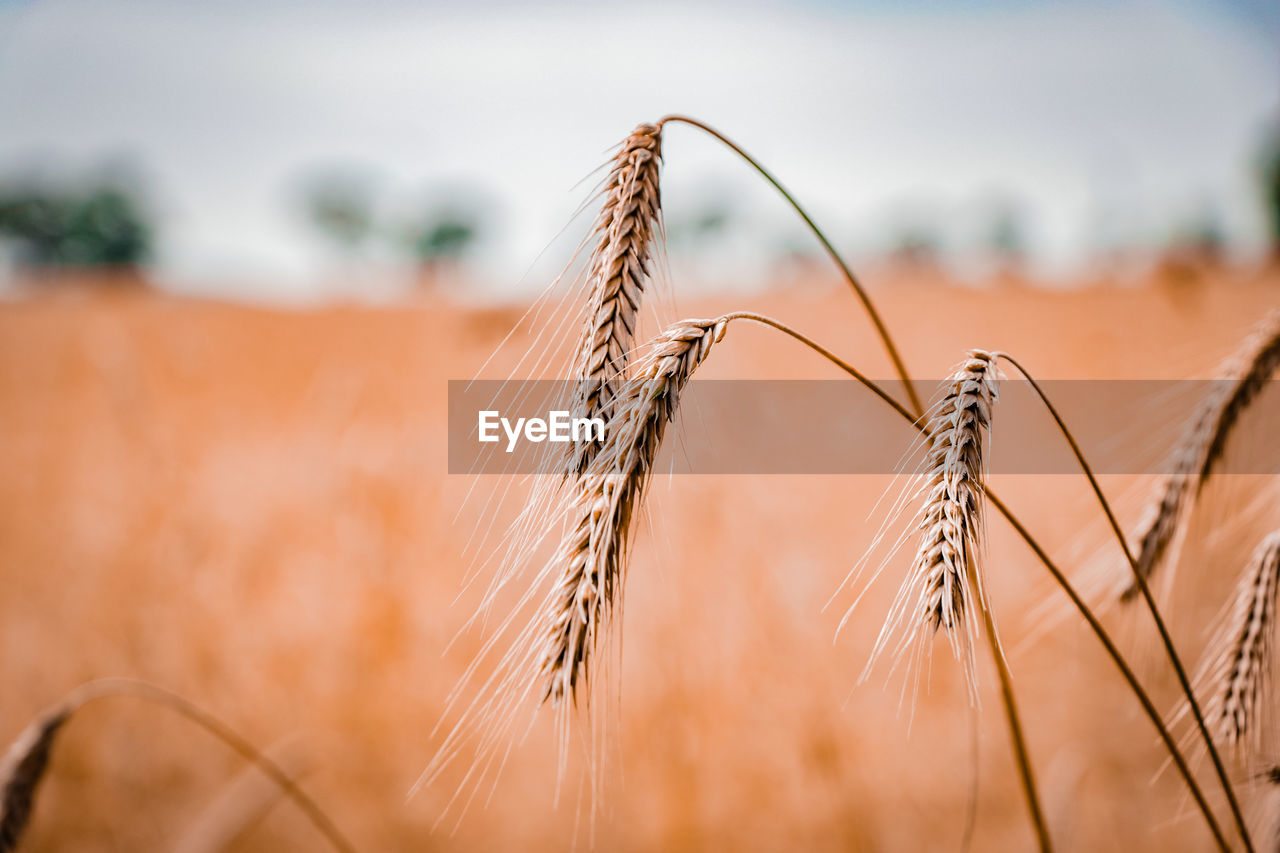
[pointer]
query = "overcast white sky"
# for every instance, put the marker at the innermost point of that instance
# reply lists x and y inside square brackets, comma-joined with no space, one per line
[1145,112]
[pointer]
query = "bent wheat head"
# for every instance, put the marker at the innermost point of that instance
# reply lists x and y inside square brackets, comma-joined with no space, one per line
[593,554]
[1203,445]
[1242,659]
[618,271]
[939,592]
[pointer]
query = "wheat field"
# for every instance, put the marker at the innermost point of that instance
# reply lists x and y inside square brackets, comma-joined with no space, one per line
[251,507]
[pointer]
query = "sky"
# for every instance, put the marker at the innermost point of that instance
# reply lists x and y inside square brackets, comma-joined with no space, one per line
[1104,122]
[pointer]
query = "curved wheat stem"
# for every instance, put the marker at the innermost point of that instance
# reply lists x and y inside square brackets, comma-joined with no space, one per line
[27,760]
[593,554]
[618,270]
[1203,446]
[945,578]
[1241,660]
[1100,632]
[882,331]
[1142,587]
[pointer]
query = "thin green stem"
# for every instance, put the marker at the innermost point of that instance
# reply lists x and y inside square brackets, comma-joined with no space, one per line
[1143,587]
[858,289]
[1099,631]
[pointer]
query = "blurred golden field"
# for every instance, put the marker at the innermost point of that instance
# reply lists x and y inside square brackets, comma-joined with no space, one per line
[251,507]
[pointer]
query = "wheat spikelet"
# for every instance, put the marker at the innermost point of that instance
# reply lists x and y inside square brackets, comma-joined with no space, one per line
[616,277]
[618,270]
[1240,663]
[1203,446]
[23,767]
[594,552]
[939,592]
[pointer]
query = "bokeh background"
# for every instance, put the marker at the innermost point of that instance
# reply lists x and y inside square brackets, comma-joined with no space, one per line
[244,247]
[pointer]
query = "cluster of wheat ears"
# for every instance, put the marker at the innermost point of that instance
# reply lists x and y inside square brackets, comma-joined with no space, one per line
[599,488]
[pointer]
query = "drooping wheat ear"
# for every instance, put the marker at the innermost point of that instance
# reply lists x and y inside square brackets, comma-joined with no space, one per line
[1241,653]
[941,586]
[617,271]
[593,554]
[23,767]
[1203,446]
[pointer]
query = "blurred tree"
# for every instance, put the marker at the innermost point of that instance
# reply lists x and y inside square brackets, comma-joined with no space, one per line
[344,204]
[1006,236]
[916,246]
[446,230]
[1203,237]
[340,205]
[102,225]
[444,234]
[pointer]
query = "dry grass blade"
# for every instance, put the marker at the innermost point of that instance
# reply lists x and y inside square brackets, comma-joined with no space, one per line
[939,592]
[22,770]
[1203,446]
[1241,653]
[606,497]
[618,270]
[239,807]
[27,760]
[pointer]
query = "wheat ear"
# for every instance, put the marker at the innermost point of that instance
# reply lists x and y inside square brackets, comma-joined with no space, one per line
[944,581]
[27,760]
[22,769]
[617,272]
[1100,632]
[1203,446]
[1241,656]
[593,554]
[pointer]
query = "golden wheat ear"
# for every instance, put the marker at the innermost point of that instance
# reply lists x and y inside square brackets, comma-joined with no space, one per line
[626,230]
[594,551]
[23,768]
[1202,447]
[1241,655]
[944,581]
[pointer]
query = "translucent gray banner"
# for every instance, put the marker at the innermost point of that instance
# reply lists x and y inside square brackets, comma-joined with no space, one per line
[839,427]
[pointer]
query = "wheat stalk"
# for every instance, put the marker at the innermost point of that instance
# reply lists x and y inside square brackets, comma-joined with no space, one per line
[593,553]
[1203,446]
[882,331]
[617,272]
[1190,703]
[27,760]
[1240,664]
[939,591]
[1100,632]
[238,807]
